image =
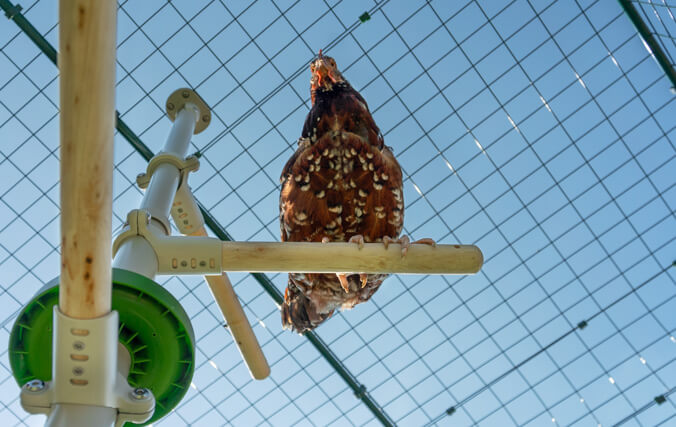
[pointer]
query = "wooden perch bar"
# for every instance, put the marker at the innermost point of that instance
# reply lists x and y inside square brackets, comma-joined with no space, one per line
[237,322]
[348,258]
[87,86]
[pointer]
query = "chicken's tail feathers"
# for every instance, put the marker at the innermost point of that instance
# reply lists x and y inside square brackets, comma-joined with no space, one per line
[299,312]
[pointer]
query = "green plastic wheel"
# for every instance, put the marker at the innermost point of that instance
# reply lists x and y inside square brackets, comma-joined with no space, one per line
[154,328]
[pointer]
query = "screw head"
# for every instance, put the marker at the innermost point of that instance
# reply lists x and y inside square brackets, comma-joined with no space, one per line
[170,106]
[78,345]
[78,371]
[35,385]
[205,118]
[185,94]
[140,394]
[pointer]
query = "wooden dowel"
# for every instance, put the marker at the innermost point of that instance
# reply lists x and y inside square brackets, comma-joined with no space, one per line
[238,324]
[86,62]
[347,257]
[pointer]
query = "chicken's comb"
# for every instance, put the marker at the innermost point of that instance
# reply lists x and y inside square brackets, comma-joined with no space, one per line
[320,56]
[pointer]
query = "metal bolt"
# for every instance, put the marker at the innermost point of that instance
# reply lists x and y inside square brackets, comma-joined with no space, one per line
[185,94]
[35,385]
[170,106]
[205,118]
[140,394]
[78,345]
[78,371]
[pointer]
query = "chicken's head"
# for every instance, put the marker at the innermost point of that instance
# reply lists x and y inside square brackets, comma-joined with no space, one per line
[325,73]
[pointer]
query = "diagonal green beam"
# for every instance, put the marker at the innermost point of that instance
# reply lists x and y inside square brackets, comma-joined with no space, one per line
[648,38]
[13,12]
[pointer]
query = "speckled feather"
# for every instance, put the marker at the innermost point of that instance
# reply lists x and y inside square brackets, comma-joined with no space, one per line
[341,181]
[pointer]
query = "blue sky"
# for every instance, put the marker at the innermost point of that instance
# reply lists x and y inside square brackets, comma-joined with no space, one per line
[543,132]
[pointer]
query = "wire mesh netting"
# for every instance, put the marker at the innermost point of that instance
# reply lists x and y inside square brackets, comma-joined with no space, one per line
[541,131]
[659,18]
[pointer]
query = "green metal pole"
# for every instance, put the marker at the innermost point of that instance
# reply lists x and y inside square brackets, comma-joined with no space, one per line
[14,13]
[649,40]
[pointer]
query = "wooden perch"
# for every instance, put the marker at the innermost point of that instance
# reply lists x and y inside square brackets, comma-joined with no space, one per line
[348,258]
[87,86]
[237,322]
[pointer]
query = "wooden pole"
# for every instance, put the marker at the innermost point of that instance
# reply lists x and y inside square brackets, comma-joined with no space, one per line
[87,30]
[347,257]
[237,322]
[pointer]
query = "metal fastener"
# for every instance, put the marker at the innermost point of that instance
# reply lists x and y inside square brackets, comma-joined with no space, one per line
[78,345]
[140,394]
[35,385]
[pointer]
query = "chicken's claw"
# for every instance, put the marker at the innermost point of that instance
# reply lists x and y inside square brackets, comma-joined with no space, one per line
[358,239]
[387,240]
[405,243]
[364,278]
[343,282]
[425,241]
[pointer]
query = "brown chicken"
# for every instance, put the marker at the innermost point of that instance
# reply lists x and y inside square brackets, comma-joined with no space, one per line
[341,184]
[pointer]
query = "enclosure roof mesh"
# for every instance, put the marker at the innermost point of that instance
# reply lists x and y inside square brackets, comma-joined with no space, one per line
[540,131]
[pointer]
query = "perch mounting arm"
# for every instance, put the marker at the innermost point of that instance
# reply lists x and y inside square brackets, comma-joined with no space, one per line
[175,254]
[207,255]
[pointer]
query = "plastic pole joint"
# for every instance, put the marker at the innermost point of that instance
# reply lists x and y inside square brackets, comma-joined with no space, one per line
[175,254]
[85,371]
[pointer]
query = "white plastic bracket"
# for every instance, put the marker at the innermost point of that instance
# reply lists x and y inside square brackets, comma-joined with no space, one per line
[175,255]
[184,210]
[85,371]
[184,166]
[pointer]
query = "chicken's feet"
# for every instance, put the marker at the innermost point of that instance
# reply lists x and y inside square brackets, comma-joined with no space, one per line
[358,239]
[405,243]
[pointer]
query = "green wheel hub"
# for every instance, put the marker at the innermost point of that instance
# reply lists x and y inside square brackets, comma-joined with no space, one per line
[154,328]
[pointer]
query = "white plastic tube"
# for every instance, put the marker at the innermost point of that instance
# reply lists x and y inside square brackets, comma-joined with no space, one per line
[163,185]
[136,254]
[80,416]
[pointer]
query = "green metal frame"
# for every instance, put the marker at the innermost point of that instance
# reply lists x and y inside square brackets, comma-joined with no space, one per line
[649,39]
[13,12]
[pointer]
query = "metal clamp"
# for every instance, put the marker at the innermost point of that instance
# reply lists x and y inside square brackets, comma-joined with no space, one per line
[13,11]
[175,255]
[184,166]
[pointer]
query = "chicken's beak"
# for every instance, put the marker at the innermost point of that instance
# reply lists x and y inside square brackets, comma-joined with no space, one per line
[323,72]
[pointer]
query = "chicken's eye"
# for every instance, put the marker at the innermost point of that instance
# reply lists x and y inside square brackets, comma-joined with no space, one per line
[333,63]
